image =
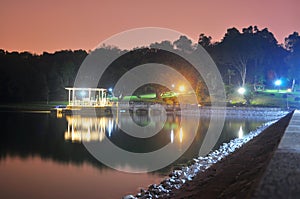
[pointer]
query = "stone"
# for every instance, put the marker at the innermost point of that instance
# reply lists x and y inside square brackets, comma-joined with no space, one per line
[129,197]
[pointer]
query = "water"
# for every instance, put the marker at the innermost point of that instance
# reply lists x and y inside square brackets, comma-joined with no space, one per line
[42,156]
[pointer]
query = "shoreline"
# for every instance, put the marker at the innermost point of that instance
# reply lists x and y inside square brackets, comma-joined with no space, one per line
[242,112]
[184,183]
[237,175]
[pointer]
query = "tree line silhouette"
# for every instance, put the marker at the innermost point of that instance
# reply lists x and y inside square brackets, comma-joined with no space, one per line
[250,56]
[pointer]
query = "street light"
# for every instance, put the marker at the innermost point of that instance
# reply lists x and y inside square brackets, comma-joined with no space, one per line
[241,90]
[278,82]
[181,88]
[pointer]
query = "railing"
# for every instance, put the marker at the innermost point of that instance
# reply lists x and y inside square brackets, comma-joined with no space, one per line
[89,103]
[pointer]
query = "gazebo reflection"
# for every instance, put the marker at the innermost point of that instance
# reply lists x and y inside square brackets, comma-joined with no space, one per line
[95,129]
[88,129]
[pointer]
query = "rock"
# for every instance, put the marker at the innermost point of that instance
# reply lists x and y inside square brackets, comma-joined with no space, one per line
[143,191]
[129,197]
[153,186]
[147,196]
[179,176]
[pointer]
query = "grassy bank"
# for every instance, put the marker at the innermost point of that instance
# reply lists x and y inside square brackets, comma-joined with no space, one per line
[32,106]
[267,98]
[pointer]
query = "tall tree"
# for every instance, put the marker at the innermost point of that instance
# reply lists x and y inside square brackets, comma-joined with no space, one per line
[250,52]
[292,44]
[205,41]
[229,74]
[184,44]
[233,52]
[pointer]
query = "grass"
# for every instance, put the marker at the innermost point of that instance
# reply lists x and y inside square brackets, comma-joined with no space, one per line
[266,98]
[269,98]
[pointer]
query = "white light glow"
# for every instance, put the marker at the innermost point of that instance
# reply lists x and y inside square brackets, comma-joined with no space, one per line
[242,90]
[241,132]
[180,135]
[278,82]
[181,88]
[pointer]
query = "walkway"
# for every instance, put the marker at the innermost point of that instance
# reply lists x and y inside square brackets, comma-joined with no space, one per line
[282,177]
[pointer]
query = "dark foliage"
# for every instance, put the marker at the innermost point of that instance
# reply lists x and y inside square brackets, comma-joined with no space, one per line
[251,56]
[26,77]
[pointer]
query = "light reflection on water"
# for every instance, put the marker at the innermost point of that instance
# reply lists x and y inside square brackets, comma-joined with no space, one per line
[95,129]
[241,132]
[88,129]
[47,151]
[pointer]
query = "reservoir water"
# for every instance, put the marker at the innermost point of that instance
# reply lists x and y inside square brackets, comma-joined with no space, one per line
[42,156]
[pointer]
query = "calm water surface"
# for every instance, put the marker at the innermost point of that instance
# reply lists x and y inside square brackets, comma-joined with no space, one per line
[42,156]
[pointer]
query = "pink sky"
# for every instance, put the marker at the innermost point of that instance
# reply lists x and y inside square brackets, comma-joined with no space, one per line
[50,25]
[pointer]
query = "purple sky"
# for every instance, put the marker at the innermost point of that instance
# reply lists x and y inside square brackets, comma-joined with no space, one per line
[37,26]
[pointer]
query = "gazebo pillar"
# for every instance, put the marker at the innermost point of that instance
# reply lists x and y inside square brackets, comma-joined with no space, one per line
[73,96]
[90,101]
[102,95]
[69,97]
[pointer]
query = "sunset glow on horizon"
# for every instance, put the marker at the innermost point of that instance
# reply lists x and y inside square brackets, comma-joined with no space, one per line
[38,26]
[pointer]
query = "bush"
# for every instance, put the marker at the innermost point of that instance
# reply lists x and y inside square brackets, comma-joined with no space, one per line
[249,94]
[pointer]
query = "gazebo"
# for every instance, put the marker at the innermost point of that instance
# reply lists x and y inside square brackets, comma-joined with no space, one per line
[87,97]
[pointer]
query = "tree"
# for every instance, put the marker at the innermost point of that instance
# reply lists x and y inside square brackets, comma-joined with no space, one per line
[184,44]
[202,92]
[231,52]
[249,94]
[55,86]
[163,45]
[292,41]
[230,73]
[292,44]
[250,52]
[205,41]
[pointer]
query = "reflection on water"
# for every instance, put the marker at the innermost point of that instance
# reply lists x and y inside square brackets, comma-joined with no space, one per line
[241,132]
[172,136]
[180,134]
[88,128]
[95,129]
[48,151]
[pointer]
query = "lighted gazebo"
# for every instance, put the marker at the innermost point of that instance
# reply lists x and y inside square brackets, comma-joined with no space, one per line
[87,97]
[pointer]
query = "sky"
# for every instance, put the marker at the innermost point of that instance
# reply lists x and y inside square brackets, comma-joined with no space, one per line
[51,25]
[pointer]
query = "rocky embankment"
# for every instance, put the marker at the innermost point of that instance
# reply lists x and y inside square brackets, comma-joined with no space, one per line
[186,182]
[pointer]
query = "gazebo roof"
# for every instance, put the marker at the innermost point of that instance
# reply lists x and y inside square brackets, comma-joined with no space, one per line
[85,89]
